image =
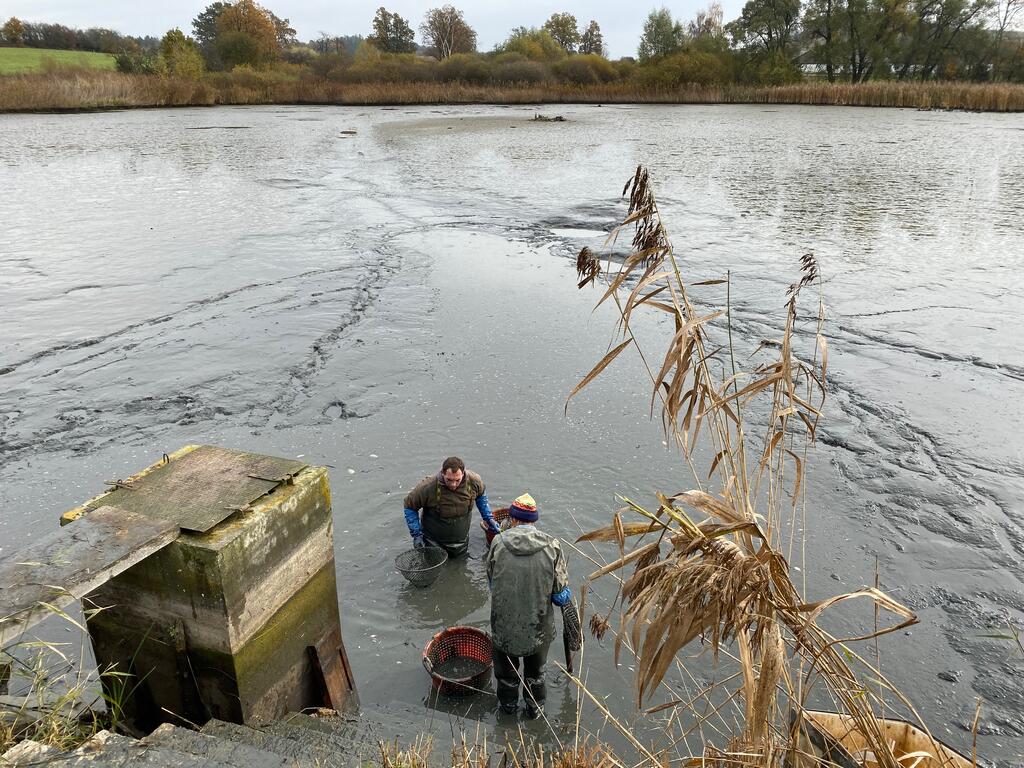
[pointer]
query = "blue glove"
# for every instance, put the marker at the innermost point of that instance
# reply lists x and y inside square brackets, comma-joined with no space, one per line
[561,598]
[417,542]
[412,519]
[485,512]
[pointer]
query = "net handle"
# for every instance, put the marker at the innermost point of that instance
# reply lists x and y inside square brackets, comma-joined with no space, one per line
[428,665]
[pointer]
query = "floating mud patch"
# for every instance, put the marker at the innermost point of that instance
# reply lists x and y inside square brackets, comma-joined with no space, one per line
[337,409]
[982,631]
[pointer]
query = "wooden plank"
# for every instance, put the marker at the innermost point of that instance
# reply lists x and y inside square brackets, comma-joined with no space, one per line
[331,671]
[70,562]
[200,489]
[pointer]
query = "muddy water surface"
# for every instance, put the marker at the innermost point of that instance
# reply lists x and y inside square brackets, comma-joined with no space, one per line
[256,278]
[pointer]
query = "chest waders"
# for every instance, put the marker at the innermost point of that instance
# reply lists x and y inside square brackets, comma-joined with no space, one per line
[447,520]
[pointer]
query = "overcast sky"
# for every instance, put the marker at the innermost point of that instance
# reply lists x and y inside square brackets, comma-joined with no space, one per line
[620,21]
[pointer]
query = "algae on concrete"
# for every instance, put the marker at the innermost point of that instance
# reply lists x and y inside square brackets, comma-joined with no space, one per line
[221,623]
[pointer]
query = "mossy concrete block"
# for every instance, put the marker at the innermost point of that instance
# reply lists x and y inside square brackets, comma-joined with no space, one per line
[218,623]
[243,569]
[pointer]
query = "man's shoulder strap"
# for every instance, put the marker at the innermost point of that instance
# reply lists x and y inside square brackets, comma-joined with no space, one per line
[474,483]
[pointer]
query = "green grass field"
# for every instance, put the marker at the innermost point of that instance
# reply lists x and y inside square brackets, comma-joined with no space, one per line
[17,60]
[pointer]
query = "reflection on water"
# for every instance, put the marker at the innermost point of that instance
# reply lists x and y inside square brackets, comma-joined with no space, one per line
[460,590]
[379,300]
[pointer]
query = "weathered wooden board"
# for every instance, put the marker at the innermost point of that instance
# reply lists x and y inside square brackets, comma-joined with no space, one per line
[62,566]
[331,670]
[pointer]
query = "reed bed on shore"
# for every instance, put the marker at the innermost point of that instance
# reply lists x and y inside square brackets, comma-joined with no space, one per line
[73,89]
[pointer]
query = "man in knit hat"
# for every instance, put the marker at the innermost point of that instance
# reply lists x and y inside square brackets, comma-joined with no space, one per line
[447,499]
[528,577]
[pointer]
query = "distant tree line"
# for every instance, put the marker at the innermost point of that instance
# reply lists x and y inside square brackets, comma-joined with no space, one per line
[771,42]
[15,32]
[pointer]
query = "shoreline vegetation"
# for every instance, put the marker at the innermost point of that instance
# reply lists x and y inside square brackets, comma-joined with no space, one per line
[921,54]
[73,89]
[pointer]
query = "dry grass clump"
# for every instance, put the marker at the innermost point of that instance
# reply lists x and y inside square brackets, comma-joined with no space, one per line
[48,712]
[69,89]
[716,570]
[54,701]
[512,755]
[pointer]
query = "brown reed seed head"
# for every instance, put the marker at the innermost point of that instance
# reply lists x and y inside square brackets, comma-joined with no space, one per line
[808,274]
[599,625]
[588,267]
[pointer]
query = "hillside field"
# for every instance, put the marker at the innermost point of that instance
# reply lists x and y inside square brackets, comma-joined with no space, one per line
[17,60]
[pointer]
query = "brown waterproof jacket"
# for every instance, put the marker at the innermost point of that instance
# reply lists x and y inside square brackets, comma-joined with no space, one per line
[446,513]
[525,567]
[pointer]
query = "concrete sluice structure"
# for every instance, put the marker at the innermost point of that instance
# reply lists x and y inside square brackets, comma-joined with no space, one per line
[237,618]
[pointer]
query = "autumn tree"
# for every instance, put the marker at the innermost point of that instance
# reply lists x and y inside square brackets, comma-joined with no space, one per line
[769,25]
[13,31]
[1003,14]
[858,38]
[937,27]
[392,33]
[533,43]
[707,24]
[343,44]
[246,35]
[563,28]
[824,29]
[181,55]
[662,35]
[592,41]
[286,35]
[445,32]
[204,31]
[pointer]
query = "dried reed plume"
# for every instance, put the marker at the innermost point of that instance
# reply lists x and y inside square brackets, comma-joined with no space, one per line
[716,571]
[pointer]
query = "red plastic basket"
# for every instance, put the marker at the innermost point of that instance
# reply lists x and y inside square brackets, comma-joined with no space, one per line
[451,646]
[500,515]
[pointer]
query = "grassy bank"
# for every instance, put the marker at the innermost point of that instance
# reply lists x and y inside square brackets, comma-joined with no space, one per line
[78,89]
[22,60]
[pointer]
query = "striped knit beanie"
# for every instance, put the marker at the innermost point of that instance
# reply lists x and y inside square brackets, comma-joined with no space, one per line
[524,508]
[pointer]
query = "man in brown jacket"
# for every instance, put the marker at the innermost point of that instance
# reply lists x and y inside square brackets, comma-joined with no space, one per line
[528,577]
[446,500]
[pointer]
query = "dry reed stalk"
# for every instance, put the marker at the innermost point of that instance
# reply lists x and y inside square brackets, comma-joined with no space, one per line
[58,696]
[723,579]
[522,753]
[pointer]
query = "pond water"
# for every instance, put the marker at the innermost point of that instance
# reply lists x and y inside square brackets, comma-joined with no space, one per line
[262,278]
